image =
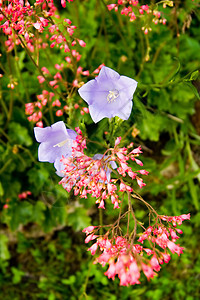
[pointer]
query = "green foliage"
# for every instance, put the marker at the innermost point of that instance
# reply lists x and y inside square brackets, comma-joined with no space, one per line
[42,251]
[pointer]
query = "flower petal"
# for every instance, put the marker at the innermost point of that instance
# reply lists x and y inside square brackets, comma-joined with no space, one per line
[59,166]
[72,134]
[97,114]
[87,91]
[41,134]
[107,74]
[47,153]
[127,86]
[125,111]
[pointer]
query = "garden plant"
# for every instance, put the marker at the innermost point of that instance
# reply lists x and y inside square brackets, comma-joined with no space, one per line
[99,149]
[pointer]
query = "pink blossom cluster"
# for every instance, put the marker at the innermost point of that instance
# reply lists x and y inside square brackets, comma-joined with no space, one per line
[127,259]
[18,19]
[86,175]
[134,10]
[24,195]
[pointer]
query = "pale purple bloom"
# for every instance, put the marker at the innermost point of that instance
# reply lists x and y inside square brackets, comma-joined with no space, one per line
[107,170]
[56,141]
[59,166]
[109,95]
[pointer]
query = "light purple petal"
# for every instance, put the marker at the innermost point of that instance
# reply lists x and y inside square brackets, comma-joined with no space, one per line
[98,114]
[56,141]
[98,156]
[107,74]
[127,86]
[72,134]
[87,91]
[125,112]
[59,126]
[48,153]
[113,164]
[41,134]
[59,166]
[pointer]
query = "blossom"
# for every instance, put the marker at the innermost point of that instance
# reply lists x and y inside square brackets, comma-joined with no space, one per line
[109,95]
[106,168]
[55,141]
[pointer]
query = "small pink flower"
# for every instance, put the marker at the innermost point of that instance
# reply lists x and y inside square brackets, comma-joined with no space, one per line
[89,229]
[143,172]
[140,182]
[59,113]
[82,43]
[41,79]
[154,263]
[90,238]
[174,248]
[101,204]
[93,248]
[148,271]
[63,3]
[111,272]
[117,141]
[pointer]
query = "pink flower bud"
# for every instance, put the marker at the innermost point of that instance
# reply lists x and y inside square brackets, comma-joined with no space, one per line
[90,238]
[117,141]
[82,43]
[89,229]
[93,248]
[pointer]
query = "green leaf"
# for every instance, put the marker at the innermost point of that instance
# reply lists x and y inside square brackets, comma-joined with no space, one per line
[38,212]
[21,214]
[17,275]
[1,189]
[193,192]
[78,218]
[193,89]
[23,243]
[4,252]
[194,75]
[38,176]
[19,134]
[69,281]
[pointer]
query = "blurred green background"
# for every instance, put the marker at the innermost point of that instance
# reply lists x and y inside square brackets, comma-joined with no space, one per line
[42,250]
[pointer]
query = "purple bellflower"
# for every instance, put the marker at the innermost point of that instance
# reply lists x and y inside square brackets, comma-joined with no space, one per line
[107,170]
[55,141]
[109,95]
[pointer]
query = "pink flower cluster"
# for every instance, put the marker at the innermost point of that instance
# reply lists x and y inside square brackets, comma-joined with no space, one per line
[127,259]
[24,195]
[19,19]
[88,175]
[134,10]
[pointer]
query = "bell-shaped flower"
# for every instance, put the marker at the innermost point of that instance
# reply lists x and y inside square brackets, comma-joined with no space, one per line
[109,95]
[55,141]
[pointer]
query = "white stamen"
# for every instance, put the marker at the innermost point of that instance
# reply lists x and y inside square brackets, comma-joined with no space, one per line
[112,96]
[61,143]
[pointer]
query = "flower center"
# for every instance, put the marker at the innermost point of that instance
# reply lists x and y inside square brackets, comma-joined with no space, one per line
[61,143]
[112,95]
